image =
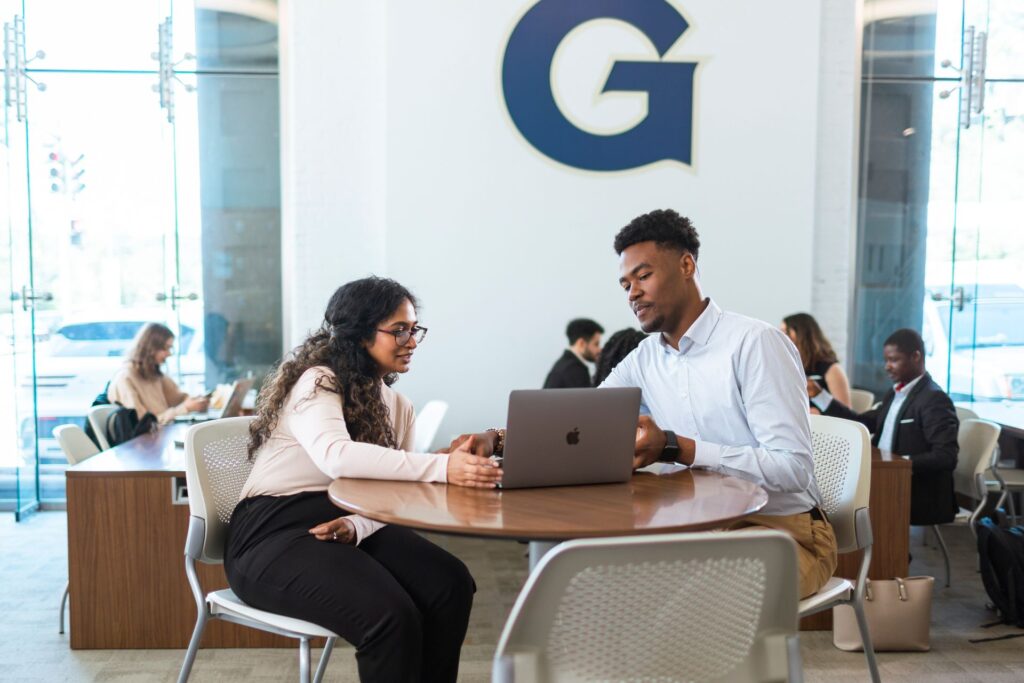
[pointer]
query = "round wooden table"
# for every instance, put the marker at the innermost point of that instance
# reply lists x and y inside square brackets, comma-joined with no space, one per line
[661,499]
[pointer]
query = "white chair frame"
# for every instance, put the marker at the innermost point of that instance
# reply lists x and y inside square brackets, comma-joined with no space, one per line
[211,501]
[842,468]
[98,419]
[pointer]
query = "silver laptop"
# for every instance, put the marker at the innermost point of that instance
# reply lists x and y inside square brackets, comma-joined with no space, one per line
[561,437]
[232,407]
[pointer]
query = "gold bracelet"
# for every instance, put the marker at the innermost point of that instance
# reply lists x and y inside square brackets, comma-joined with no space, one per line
[499,443]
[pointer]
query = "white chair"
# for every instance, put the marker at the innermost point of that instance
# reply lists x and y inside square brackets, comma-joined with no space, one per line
[842,467]
[861,400]
[680,607]
[217,467]
[965,414]
[77,446]
[977,441]
[427,423]
[98,419]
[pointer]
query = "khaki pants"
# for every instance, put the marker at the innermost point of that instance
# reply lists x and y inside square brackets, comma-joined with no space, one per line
[815,545]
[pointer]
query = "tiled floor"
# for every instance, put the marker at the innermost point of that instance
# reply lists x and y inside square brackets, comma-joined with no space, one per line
[33,570]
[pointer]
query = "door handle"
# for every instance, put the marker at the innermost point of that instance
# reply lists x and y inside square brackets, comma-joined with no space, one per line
[174,297]
[26,295]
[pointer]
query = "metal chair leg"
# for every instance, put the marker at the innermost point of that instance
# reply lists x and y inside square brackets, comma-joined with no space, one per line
[304,660]
[193,647]
[945,551]
[865,637]
[324,657]
[1013,507]
[63,604]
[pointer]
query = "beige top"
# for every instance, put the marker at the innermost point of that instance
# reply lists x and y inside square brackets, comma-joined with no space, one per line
[159,395]
[310,447]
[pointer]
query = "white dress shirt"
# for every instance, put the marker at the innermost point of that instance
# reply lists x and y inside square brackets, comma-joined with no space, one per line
[735,386]
[824,400]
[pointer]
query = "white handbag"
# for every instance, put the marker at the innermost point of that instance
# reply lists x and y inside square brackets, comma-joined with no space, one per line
[899,615]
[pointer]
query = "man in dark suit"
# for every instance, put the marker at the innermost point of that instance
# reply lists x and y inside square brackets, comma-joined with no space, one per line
[570,371]
[916,418]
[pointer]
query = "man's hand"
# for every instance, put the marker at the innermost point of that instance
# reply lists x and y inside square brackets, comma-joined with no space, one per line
[467,469]
[483,443]
[339,530]
[650,442]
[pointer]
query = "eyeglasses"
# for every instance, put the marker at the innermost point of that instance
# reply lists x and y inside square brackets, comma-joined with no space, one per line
[402,337]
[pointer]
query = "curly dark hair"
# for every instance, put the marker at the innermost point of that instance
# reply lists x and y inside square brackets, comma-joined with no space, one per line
[618,346]
[353,315]
[663,226]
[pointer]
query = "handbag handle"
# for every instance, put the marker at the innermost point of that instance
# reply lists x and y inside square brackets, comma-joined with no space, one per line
[901,589]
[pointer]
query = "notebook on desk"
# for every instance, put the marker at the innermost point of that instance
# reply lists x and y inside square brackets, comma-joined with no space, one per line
[560,437]
[227,407]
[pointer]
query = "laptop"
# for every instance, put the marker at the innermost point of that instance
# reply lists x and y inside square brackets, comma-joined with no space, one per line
[563,437]
[232,406]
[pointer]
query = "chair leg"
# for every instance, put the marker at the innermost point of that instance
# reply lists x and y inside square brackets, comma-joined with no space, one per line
[304,660]
[865,637]
[945,551]
[63,604]
[193,647]
[796,667]
[1013,508]
[324,657]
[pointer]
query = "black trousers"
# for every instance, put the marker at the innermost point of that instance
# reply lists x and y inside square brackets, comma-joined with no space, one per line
[402,601]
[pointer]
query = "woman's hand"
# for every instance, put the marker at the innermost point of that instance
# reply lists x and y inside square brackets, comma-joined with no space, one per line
[467,469]
[195,404]
[339,530]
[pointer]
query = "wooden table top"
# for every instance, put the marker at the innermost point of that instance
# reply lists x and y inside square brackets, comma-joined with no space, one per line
[154,455]
[668,499]
[880,458]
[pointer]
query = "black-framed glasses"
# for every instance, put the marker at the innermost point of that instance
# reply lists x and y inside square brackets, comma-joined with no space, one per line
[402,337]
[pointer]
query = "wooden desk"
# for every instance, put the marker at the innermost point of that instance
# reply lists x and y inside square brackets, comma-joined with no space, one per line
[666,499]
[126,541]
[890,523]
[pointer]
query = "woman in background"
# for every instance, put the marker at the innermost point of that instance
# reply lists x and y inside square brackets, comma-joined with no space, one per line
[820,362]
[142,385]
[618,346]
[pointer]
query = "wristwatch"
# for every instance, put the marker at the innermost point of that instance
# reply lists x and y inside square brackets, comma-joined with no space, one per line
[671,451]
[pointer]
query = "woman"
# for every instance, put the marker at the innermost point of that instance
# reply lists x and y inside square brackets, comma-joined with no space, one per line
[143,386]
[816,354]
[326,412]
[618,346]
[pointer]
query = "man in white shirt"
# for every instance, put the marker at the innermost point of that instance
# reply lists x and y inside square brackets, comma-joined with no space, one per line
[720,391]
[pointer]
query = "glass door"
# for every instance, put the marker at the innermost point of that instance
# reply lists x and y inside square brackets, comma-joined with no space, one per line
[977,297]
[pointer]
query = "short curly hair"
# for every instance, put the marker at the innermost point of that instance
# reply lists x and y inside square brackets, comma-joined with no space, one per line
[663,226]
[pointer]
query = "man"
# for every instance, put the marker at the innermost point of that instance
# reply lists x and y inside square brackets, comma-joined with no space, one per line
[916,418]
[720,391]
[570,371]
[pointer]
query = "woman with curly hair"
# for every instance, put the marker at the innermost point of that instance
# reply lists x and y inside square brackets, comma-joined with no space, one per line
[329,411]
[142,385]
[820,362]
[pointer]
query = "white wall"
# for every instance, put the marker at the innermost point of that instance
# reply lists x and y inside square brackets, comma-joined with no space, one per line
[430,182]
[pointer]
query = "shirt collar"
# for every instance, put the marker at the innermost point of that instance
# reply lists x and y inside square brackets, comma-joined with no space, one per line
[699,332]
[908,386]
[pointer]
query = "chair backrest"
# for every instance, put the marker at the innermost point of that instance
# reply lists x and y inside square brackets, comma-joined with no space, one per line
[977,440]
[680,607]
[98,419]
[216,469]
[75,443]
[842,467]
[965,414]
[427,423]
[861,400]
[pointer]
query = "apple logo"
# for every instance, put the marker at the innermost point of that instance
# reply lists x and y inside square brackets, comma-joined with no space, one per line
[573,437]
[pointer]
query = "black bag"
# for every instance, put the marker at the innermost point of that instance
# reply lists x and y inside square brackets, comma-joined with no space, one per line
[1001,551]
[100,400]
[123,425]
